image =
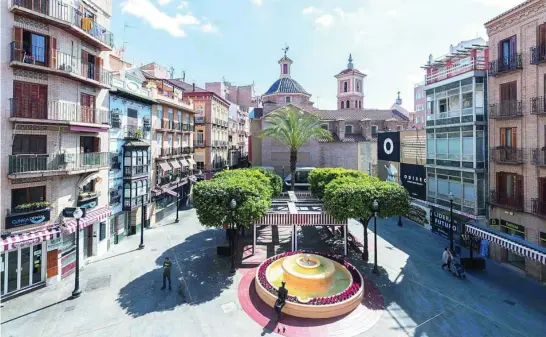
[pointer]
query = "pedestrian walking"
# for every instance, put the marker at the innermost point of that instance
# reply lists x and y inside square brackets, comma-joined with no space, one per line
[167,264]
[446,259]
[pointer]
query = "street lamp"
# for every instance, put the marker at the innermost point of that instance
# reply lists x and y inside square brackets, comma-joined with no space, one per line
[77,291]
[177,205]
[365,253]
[400,221]
[451,221]
[143,223]
[375,209]
[232,205]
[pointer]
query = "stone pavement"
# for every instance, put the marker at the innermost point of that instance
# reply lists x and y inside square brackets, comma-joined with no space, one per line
[122,297]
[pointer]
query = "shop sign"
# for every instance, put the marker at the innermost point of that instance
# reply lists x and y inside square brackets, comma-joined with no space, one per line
[388,146]
[68,212]
[512,227]
[494,223]
[34,218]
[440,222]
[89,203]
[54,244]
[29,242]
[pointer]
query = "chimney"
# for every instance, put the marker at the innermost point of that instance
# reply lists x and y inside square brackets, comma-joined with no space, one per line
[193,87]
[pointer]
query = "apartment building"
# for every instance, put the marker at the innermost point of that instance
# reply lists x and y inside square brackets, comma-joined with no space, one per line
[211,128]
[456,132]
[55,121]
[418,117]
[517,137]
[172,143]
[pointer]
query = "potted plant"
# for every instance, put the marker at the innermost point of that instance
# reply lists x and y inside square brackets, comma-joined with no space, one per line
[87,195]
[33,206]
[139,134]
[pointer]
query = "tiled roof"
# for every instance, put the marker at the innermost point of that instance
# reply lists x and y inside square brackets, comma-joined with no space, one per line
[511,10]
[358,114]
[349,138]
[186,86]
[350,71]
[286,86]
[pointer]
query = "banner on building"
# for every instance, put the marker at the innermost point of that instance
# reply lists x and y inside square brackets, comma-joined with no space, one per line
[419,214]
[388,146]
[388,170]
[413,147]
[414,179]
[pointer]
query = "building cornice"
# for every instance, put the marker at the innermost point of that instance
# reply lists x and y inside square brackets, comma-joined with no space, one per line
[514,15]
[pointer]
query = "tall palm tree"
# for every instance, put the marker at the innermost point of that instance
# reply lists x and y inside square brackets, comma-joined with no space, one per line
[294,128]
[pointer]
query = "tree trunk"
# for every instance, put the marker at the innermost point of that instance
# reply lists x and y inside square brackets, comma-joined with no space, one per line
[293,161]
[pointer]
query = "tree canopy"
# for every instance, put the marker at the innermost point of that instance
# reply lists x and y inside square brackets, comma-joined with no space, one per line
[320,177]
[250,189]
[293,128]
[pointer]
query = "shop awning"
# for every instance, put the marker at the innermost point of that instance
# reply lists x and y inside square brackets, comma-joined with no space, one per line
[191,161]
[174,163]
[183,162]
[92,216]
[30,238]
[299,219]
[170,192]
[165,166]
[157,191]
[514,244]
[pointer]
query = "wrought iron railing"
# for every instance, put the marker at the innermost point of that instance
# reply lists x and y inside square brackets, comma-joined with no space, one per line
[538,54]
[539,156]
[538,207]
[537,106]
[505,64]
[506,200]
[507,155]
[59,111]
[28,163]
[506,109]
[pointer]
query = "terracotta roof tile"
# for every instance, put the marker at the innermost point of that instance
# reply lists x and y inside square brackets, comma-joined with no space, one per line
[358,114]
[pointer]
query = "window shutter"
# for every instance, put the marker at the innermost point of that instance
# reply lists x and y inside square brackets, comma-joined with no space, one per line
[513,91]
[514,137]
[17,145]
[499,51]
[18,38]
[503,136]
[518,193]
[513,46]
[85,64]
[98,67]
[53,52]
[96,144]
[18,99]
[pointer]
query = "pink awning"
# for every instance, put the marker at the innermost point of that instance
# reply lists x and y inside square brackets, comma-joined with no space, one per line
[92,216]
[87,129]
[29,238]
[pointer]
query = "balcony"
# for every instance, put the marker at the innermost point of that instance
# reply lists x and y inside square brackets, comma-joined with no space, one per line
[56,164]
[65,17]
[443,73]
[192,150]
[52,61]
[170,98]
[28,214]
[506,64]
[59,112]
[537,106]
[168,124]
[538,54]
[135,132]
[199,143]
[507,155]
[539,156]
[136,171]
[507,201]
[166,152]
[506,109]
[538,207]
[185,127]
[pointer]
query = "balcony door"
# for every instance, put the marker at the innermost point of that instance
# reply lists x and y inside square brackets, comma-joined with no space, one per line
[508,98]
[542,195]
[29,100]
[509,137]
[88,108]
[510,189]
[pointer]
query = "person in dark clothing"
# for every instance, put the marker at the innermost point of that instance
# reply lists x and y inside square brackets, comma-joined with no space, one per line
[167,264]
[281,300]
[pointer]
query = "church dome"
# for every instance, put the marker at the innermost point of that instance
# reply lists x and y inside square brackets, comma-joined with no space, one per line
[286,85]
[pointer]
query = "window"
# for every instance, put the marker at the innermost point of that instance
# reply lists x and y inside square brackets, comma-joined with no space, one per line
[508,137]
[285,68]
[374,129]
[132,113]
[179,113]
[357,85]
[442,105]
[200,165]
[186,140]
[345,84]
[507,50]
[170,140]
[29,100]
[159,112]
[200,137]
[324,126]
[398,127]
[21,196]
[342,105]
[170,112]
[509,187]
[159,140]
[29,144]
[34,45]
[287,99]
[348,129]
[509,91]
[102,231]
[360,104]
[347,105]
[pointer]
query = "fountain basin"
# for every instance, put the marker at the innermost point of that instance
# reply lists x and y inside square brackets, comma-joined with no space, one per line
[318,286]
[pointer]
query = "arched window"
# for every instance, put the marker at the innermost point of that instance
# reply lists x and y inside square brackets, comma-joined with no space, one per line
[344,86]
[285,68]
[357,85]
[347,104]
[348,129]
[342,105]
[360,104]
[127,158]
[324,126]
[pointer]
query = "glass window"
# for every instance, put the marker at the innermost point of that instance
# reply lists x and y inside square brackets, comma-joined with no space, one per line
[456,188]
[443,187]
[468,192]
[374,129]
[431,183]
[170,112]
[287,99]
[179,116]
[159,112]
[159,139]
[324,126]
[102,231]
[348,129]
[454,148]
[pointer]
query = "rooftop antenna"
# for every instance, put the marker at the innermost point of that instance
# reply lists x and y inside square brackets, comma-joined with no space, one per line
[171,72]
[183,76]
[125,26]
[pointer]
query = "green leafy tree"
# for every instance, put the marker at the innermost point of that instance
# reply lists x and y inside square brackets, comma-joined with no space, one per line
[350,197]
[294,128]
[320,177]
[255,174]
[275,181]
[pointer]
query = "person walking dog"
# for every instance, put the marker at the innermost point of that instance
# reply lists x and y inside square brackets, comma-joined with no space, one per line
[167,264]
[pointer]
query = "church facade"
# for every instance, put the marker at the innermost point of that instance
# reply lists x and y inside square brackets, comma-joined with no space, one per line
[354,129]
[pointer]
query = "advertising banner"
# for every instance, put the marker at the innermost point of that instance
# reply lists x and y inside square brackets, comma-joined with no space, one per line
[388,171]
[388,146]
[413,147]
[419,214]
[440,220]
[414,179]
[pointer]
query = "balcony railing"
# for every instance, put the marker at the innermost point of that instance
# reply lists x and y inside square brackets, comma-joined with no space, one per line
[192,150]
[507,155]
[168,124]
[441,74]
[165,152]
[506,109]
[501,199]
[505,64]
[60,63]
[135,171]
[65,162]
[538,54]
[135,132]
[538,207]
[57,111]
[63,12]
[199,143]
[539,156]
[185,127]
[537,106]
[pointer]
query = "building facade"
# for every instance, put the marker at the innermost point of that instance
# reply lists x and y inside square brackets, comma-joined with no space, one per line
[55,123]
[418,119]
[456,131]
[517,134]
[131,164]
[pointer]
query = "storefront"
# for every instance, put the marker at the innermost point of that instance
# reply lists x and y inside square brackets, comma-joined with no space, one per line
[23,260]
[440,220]
[516,231]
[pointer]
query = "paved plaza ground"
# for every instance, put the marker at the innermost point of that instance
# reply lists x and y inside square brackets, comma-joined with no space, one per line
[122,297]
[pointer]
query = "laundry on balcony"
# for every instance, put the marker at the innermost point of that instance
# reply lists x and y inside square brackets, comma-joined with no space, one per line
[87,24]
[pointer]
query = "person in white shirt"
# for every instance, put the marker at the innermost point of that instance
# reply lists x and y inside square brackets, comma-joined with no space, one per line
[446,259]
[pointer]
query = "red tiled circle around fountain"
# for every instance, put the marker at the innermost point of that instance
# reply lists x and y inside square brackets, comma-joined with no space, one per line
[358,321]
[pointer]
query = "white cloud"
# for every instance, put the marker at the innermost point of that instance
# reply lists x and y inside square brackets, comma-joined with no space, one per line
[392,12]
[163,2]
[157,19]
[183,4]
[339,12]
[507,4]
[309,10]
[325,20]
[257,2]
[208,28]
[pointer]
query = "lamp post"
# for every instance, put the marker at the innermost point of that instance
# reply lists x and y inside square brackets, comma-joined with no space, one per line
[142,223]
[400,221]
[232,205]
[365,253]
[177,205]
[77,291]
[375,209]
[451,222]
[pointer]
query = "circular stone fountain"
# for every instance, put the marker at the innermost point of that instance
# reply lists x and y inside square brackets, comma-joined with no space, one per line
[318,286]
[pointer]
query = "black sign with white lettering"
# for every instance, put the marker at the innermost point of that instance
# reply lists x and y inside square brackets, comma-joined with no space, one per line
[32,218]
[440,220]
[388,146]
[414,179]
[69,212]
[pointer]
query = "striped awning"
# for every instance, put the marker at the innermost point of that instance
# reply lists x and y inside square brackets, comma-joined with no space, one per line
[299,219]
[30,238]
[170,192]
[174,163]
[191,161]
[92,216]
[519,248]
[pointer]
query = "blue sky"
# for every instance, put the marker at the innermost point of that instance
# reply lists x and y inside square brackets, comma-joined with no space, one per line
[241,40]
